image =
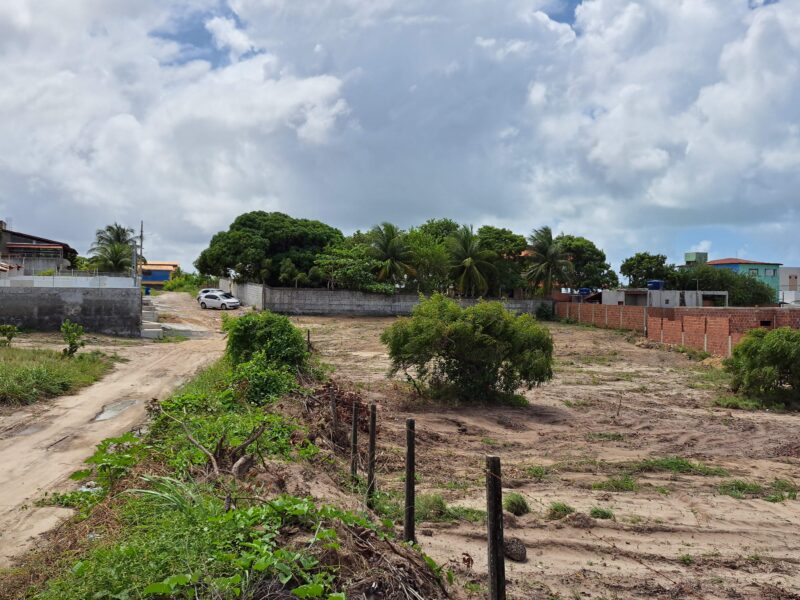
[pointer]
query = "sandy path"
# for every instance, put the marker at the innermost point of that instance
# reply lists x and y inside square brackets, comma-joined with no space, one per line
[40,446]
[673,537]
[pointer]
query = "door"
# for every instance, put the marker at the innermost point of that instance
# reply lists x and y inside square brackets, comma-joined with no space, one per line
[792,283]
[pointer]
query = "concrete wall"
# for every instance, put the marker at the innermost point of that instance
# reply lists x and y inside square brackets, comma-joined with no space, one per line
[315,301]
[66,281]
[99,310]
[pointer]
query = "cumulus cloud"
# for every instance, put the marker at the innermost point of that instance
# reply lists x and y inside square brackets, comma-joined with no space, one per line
[644,124]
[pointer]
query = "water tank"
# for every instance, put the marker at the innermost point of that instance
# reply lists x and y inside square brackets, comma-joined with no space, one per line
[655,284]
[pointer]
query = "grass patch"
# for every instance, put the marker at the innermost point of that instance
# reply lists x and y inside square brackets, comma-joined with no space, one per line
[710,378]
[433,508]
[738,403]
[737,488]
[686,559]
[29,375]
[538,472]
[622,483]
[692,354]
[172,339]
[601,513]
[676,464]
[604,437]
[516,504]
[559,510]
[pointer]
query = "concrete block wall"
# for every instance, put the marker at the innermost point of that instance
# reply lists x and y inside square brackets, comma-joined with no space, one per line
[99,310]
[315,301]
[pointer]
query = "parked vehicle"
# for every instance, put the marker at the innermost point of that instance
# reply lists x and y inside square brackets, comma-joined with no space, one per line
[205,291]
[223,301]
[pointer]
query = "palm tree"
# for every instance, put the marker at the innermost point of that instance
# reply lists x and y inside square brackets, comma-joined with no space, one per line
[390,250]
[470,264]
[112,234]
[115,257]
[550,265]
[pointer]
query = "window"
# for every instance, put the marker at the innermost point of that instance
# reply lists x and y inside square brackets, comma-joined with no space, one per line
[769,272]
[754,272]
[211,297]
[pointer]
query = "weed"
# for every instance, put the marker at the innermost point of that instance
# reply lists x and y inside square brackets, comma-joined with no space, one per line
[780,490]
[172,339]
[472,587]
[81,500]
[676,465]
[559,510]
[433,508]
[7,333]
[622,483]
[73,338]
[738,402]
[601,513]
[487,441]
[692,354]
[686,559]
[516,504]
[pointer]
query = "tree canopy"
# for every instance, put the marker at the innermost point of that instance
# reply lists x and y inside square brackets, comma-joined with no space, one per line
[644,266]
[743,290]
[589,266]
[550,265]
[258,242]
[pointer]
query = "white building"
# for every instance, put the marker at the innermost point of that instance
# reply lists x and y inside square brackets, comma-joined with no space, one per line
[789,284]
[664,298]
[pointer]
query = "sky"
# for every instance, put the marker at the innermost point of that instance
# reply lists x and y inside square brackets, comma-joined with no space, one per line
[650,125]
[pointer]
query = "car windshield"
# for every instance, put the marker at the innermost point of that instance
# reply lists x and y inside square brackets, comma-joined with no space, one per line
[227,296]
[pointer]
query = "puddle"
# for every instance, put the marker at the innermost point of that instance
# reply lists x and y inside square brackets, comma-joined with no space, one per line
[114,410]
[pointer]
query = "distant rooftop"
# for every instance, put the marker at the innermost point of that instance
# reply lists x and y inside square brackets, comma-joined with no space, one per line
[739,261]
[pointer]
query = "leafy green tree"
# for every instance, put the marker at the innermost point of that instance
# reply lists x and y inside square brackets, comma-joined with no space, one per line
[258,242]
[350,267]
[430,260]
[290,275]
[470,264]
[743,290]
[644,266]
[438,229]
[390,250]
[483,352]
[588,262]
[113,258]
[549,264]
[767,363]
[507,247]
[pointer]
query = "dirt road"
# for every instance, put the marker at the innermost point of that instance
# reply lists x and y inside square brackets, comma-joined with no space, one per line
[673,534]
[41,445]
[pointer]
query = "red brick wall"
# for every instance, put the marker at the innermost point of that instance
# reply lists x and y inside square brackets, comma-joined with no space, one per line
[672,331]
[718,330]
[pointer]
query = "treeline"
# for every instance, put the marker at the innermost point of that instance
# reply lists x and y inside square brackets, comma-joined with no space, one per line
[437,256]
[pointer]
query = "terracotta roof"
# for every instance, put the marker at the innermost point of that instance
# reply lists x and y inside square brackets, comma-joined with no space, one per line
[739,261]
[160,266]
[38,246]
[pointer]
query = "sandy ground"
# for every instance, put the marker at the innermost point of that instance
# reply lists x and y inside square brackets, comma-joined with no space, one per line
[41,445]
[611,402]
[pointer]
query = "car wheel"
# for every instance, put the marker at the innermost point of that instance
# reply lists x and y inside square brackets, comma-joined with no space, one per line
[224,307]
[203,305]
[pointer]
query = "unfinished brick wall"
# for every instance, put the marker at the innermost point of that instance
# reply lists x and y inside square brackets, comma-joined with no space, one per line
[715,330]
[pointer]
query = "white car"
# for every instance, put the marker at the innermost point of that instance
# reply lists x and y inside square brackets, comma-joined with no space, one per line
[222,300]
[205,291]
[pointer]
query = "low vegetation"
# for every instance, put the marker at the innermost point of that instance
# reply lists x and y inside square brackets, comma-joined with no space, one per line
[601,513]
[516,504]
[766,364]
[483,352]
[676,464]
[559,510]
[189,283]
[29,375]
[189,524]
[777,491]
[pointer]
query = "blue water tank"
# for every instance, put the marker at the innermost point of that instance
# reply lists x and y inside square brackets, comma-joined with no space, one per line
[655,284]
[584,291]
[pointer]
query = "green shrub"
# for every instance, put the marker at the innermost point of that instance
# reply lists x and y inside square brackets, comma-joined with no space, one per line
[767,362]
[189,283]
[7,333]
[623,483]
[544,312]
[739,489]
[263,382]
[73,337]
[516,504]
[274,335]
[677,465]
[538,472]
[559,510]
[482,352]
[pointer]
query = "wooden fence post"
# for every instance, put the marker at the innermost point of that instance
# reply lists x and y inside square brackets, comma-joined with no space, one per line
[354,445]
[410,514]
[494,523]
[373,421]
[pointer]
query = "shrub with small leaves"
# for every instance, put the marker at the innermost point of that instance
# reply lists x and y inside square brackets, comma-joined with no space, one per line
[767,362]
[73,338]
[7,333]
[516,504]
[559,510]
[267,332]
[263,382]
[601,513]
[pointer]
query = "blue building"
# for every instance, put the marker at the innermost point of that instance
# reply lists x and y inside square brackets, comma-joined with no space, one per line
[156,274]
[764,272]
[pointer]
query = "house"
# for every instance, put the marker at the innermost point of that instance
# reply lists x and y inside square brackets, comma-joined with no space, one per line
[25,254]
[789,284]
[664,298]
[694,259]
[157,273]
[764,272]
